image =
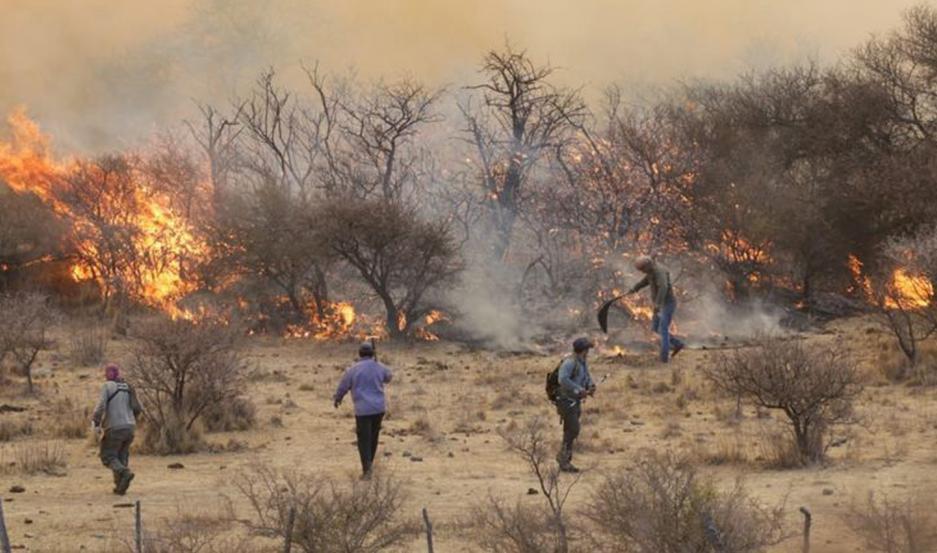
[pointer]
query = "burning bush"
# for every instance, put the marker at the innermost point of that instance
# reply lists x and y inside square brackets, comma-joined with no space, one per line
[904,292]
[263,235]
[665,507]
[360,515]
[30,234]
[401,258]
[814,388]
[182,369]
[26,320]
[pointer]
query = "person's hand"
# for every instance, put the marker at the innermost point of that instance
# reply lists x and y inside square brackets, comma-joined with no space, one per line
[337,403]
[592,390]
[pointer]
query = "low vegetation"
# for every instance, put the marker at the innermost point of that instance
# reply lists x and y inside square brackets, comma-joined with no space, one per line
[328,515]
[814,388]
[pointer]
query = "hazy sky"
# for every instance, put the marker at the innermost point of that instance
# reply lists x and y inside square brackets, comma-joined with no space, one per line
[103,73]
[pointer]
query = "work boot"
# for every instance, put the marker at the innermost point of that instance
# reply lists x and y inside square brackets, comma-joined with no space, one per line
[677,349]
[125,478]
[568,467]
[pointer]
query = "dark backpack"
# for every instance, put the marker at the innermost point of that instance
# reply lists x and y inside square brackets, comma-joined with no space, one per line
[553,382]
[135,406]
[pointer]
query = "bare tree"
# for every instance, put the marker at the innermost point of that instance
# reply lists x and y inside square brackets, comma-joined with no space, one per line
[27,318]
[523,529]
[521,118]
[815,389]
[181,369]
[664,506]
[378,129]
[402,258]
[356,515]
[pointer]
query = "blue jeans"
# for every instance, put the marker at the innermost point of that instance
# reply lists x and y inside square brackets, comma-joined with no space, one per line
[661,325]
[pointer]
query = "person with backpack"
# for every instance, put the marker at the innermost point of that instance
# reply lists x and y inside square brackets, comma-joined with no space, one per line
[115,416]
[365,380]
[657,277]
[573,383]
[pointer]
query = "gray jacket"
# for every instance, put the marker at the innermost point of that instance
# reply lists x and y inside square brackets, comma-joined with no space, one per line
[573,377]
[117,408]
[659,281]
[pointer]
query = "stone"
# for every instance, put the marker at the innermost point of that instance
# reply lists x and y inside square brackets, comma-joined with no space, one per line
[175,466]
[17,489]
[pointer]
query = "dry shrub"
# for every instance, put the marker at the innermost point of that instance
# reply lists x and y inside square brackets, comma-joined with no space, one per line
[424,428]
[330,516]
[195,533]
[10,430]
[521,528]
[238,414]
[171,436]
[663,506]
[815,388]
[69,420]
[87,345]
[891,526]
[727,451]
[27,318]
[35,458]
[182,369]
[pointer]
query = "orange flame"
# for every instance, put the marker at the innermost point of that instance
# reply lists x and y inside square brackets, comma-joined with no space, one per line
[161,238]
[909,291]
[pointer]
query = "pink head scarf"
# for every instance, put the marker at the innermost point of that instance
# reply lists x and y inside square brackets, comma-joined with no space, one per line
[112,372]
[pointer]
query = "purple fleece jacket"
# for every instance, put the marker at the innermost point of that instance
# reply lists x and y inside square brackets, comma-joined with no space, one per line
[366,380]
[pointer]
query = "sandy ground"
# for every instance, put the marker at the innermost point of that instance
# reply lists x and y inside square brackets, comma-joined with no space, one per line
[465,395]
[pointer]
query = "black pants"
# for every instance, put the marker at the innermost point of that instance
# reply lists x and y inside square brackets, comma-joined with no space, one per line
[115,450]
[570,411]
[368,429]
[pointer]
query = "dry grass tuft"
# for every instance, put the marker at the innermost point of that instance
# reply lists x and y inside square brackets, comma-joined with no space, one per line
[35,458]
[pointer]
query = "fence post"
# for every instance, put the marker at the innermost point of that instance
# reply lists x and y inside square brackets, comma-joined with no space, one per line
[137,527]
[429,531]
[808,519]
[5,546]
[288,539]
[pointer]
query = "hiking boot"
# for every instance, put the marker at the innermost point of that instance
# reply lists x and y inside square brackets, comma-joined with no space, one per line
[125,478]
[677,349]
[568,467]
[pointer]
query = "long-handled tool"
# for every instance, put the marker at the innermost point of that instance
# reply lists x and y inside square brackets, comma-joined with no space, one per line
[603,312]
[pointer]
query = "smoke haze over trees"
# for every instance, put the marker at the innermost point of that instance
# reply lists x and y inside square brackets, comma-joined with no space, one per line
[310,186]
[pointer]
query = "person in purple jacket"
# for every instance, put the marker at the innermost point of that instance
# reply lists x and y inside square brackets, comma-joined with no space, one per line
[365,380]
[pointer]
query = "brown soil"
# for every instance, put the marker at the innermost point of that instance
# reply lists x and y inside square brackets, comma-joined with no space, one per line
[462,397]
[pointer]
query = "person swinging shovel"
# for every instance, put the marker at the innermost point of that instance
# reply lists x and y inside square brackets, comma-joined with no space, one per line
[657,277]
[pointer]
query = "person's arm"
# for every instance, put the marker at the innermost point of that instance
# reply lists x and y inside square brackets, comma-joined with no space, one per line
[343,387]
[100,407]
[565,377]
[663,285]
[641,284]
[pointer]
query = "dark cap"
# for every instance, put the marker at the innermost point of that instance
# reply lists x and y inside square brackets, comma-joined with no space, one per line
[366,349]
[582,344]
